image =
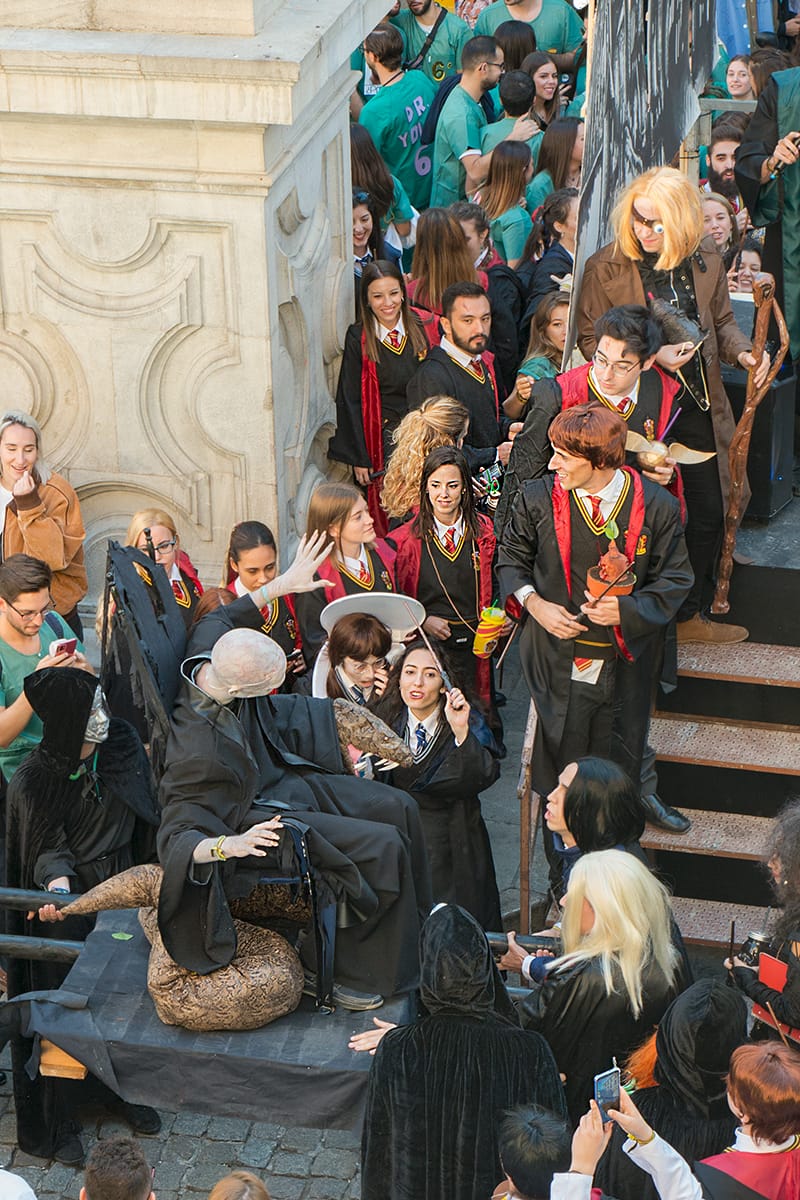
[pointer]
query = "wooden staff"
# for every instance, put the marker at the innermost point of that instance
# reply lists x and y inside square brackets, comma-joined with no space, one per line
[764,300]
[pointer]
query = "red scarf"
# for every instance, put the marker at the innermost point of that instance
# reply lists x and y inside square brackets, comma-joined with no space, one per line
[562,519]
[574,387]
[380,550]
[373,434]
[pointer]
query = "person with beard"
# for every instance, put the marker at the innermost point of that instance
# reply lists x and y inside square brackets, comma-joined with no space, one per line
[438,1087]
[682,1094]
[81,808]
[434,38]
[461,367]
[726,138]
[237,760]
[459,167]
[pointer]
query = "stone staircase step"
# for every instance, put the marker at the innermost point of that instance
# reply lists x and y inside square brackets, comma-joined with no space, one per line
[708,922]
[710,743]
[722,835]
[747,662]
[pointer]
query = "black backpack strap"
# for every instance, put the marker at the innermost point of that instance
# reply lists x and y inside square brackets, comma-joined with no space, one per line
[51,619]
[417,62]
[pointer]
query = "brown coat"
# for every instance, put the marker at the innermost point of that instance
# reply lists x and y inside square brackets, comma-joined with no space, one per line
[610,279]
[47,524]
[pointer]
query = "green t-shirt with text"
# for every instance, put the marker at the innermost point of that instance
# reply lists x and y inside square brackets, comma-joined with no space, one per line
[394,119]
[443,56]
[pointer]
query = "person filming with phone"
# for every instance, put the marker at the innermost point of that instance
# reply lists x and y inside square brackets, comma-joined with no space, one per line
[32,637]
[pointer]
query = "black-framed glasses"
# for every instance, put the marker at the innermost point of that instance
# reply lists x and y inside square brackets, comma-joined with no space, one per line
[656,224]
[31,616]
[487,62]
[618,368]
[165,547]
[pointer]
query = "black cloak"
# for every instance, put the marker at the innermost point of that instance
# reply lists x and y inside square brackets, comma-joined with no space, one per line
[228,768]
[88,828]
[586,1027]
[446,784]
[439,1087]
[689,1109]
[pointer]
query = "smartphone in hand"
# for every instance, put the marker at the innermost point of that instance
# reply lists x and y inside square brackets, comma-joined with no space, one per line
[606,1091]
[63,646]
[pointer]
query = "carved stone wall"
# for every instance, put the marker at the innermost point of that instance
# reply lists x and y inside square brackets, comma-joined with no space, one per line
[175,272]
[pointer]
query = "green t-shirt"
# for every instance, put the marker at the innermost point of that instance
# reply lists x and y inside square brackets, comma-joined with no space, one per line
[401,209]
[538,190]
[510,232]
[558,27]
[444,54]
[460,127]
[394,119]
[498,131]
[14,670]
[537,368]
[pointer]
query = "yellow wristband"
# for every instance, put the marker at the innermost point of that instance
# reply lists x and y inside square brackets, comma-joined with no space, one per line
[645,1141]
[216,850]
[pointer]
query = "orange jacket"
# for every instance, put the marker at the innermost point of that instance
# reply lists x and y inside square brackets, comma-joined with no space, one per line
[47,524]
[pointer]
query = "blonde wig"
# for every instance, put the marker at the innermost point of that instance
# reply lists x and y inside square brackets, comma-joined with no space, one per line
[146,518]
[632,922]
[440,421]
[678,204]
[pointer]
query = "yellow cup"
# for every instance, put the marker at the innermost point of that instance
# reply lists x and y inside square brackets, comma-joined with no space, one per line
[488,632]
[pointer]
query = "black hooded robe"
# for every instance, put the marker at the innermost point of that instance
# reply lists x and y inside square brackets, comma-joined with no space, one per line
[439,1087]
[224,766]
[89,829]
[689,1108]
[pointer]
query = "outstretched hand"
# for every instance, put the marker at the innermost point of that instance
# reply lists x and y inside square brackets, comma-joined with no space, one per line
[311,554]
[371,1038]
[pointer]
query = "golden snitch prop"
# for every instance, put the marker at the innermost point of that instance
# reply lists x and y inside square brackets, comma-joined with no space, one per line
[651,453]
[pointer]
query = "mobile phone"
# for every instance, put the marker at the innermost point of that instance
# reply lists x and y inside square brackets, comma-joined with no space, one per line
[63,646]
[606,1091]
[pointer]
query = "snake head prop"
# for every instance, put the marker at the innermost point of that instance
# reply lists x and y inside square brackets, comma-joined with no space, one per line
[358,727]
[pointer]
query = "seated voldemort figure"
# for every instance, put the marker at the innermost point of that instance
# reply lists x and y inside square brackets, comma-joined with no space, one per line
[237,759]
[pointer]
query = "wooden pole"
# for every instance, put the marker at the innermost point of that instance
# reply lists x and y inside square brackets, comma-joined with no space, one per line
[766,305]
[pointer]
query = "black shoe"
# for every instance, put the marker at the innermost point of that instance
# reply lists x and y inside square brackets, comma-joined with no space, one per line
[70,1151]
[663,816]
[140,1118]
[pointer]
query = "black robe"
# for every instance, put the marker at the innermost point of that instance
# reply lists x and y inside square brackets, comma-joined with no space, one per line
[88,828]
[439,1087]
[446,784]
[441,375]
[393,368]
[225,766]
[688,1108]
[585,1027]
[529,554]
[532,451]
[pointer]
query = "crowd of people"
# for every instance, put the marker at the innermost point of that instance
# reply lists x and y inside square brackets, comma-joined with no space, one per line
[482,487]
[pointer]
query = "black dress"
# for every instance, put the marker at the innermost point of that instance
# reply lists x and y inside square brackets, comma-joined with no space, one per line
[446,784]
[438,1087]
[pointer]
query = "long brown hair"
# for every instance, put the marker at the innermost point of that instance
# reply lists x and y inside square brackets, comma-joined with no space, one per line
[539,345]
[555,152]
[368,170]
[382,269]
[505,183]
[331,504]
[531,64]
[446,456]
[441,257]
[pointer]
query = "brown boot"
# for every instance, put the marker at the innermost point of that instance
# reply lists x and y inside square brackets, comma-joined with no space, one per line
[700,629]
